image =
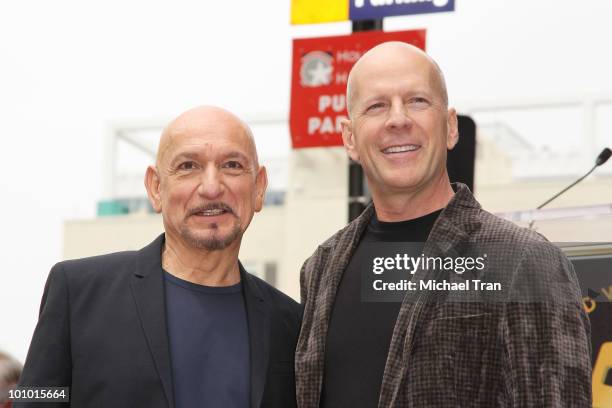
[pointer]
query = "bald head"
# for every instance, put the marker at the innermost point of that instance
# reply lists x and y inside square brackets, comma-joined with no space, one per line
[393,53]
[205,120]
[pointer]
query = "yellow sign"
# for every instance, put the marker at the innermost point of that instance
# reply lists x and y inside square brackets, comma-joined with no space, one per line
[318,11]
[602,371]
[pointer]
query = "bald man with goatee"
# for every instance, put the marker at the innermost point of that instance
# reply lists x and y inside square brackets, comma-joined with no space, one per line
[179,323]
[385,324]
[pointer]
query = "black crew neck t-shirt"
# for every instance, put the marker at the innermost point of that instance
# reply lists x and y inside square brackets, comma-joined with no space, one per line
[360,331]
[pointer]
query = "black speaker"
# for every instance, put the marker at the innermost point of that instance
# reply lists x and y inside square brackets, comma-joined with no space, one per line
[460,161]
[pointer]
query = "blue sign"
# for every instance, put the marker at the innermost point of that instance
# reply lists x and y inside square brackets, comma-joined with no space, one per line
[377,9]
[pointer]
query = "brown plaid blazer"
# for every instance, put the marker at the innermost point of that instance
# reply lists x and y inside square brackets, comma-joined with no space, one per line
[445,353]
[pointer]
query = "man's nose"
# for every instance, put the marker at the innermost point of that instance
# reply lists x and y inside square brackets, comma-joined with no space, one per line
[210,186]
[397,116]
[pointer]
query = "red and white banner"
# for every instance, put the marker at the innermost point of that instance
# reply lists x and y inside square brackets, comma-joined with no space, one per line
[318,83]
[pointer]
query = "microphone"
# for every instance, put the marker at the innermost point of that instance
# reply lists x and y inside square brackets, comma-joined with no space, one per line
[601,159]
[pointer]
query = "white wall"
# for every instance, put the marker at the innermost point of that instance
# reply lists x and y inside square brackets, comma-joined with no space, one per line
[68,69]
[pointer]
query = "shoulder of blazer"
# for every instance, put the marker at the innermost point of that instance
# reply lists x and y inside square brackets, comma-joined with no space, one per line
[274,297]
[109,267]
[464,215]
[101,267]
[349,235]
[496,228]
[351,231]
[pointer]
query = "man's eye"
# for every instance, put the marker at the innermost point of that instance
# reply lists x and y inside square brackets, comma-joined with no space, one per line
[232,164]
[188,165]
[375,106]
[419,101]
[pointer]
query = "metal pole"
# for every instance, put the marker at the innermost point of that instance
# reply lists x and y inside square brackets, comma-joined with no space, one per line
[357,200]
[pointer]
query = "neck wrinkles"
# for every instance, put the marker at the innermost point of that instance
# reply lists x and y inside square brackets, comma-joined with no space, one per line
[407,205]
[201,266]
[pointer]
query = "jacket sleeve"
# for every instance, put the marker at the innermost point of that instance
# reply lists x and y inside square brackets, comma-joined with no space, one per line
[48,363]
[547,333]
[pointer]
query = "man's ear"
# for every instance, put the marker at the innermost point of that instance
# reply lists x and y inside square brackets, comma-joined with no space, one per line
[452,135]
[261,184]
[152,184]
[348,138]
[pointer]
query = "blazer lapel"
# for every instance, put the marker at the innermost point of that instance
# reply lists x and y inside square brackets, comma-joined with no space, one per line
[258,317]
[148,290]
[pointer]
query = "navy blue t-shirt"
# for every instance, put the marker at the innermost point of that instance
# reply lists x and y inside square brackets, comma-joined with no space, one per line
[209,344]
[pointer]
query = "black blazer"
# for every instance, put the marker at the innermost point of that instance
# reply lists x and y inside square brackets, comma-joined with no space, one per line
[102,332]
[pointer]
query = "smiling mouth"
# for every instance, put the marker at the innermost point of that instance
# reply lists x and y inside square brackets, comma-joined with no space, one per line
[211,210]
[211,213]
[401,149]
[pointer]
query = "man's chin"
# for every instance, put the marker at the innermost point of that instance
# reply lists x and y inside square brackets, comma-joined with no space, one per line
[212,241]
[399,183]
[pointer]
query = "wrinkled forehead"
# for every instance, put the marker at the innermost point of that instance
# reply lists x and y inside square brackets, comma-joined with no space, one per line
[205,140]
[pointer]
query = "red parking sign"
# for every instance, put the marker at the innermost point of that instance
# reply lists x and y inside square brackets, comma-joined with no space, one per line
[318,83]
